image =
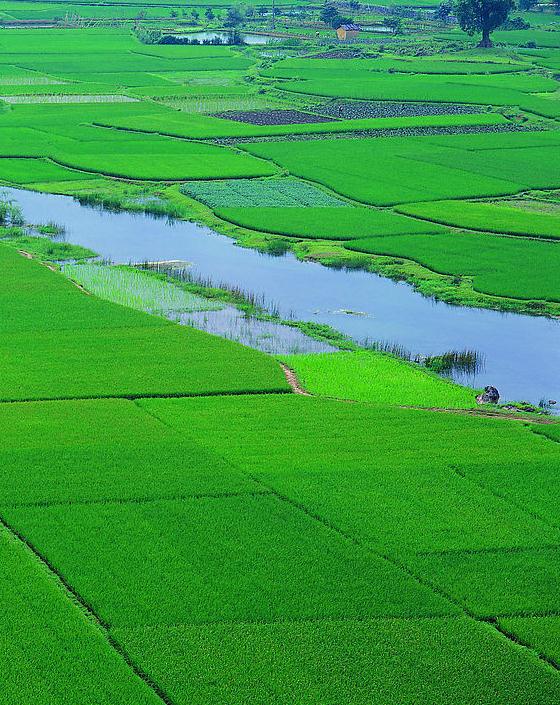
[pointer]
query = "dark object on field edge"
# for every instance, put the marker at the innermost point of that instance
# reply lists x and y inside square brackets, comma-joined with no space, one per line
[272,117]
[489,396]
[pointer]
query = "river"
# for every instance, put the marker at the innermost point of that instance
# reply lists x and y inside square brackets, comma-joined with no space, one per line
[521,353]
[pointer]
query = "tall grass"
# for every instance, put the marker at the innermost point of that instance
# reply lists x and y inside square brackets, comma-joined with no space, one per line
[446,364]
[10,213]
[243,298]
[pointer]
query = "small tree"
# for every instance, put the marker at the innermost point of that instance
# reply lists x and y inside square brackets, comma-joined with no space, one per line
[444,10]
[195,15]
[328,14]
[234,17]
[209,14]
[262,10]
[394,23]
[483,16]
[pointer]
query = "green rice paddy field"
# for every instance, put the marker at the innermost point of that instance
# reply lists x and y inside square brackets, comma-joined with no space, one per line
[176,525]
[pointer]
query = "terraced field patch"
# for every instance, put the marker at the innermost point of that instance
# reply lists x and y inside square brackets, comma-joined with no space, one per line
[416,501]
[242,558]
[50,353]
[400,170]
[325,222]
[53,651]
[520,582]
[487,258]
[540,633]
[273,117]
[374,377]
[453,655]
[260,193]
[493,217]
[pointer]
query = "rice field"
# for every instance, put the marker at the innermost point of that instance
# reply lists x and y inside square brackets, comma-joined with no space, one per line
[176,524]
[261,193]
[376,377]
[45,98]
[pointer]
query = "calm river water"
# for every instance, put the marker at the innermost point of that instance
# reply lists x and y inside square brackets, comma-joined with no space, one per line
[521,353]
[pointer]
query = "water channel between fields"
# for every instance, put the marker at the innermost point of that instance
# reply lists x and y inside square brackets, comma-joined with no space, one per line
[521,354]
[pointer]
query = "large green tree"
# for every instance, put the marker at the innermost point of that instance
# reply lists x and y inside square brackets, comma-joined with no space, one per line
[483,16]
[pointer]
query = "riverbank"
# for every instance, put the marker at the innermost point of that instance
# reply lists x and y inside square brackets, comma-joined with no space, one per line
[364,308]
[169,201]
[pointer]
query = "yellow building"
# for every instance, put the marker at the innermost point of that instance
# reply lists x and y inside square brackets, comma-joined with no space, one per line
[347,32]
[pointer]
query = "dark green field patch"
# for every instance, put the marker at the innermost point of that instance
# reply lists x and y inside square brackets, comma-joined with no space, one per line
[540,633]
[497,582]
[210,560]
[51,651]
[59,343]
[488,259]
[142,361]
[103,450]
[328,223]
[384,475]
[394,662]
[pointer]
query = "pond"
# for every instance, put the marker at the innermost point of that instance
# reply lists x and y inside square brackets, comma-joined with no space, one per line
[246,37]
[521,353]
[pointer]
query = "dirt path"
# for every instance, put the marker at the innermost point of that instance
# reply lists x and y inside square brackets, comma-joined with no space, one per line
[487,413]
[52,268]
[293,381]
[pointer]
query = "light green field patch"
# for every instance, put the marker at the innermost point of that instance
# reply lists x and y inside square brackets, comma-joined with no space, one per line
[253,193]
[136,289]
[103,450]
[375,377]
[27,171]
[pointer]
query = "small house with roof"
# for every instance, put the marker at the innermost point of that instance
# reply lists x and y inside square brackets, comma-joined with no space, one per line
[347,32]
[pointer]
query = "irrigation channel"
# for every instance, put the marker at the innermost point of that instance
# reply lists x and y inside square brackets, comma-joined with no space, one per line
[521,354]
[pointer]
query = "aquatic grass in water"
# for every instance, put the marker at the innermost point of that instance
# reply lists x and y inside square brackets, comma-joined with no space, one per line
[247,300]
[136,289]
[464,362]
[458,362]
